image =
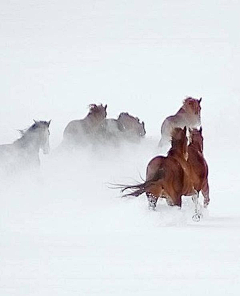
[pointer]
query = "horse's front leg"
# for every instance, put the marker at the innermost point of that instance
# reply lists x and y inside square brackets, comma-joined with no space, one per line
[198,213]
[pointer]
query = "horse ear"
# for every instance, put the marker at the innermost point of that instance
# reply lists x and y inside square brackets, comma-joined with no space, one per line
[105,107]
[91,106]
[34,121]
[48,123]
[21,132]
[200,100]
[185,129]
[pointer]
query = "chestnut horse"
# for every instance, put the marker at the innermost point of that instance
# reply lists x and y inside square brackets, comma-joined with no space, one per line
[83,131]
[169,177]
[199,167]
[188,115]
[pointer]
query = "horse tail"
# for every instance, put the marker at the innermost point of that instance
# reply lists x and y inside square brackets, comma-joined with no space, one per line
[139,189]
[136,190]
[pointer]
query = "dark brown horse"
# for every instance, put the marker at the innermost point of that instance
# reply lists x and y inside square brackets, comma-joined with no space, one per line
[199,167]
[168,177]
[83,131]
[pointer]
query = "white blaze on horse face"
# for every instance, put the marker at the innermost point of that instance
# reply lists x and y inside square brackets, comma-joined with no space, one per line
[45,141]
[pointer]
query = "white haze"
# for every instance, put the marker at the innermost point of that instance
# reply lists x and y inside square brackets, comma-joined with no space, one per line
[64,231]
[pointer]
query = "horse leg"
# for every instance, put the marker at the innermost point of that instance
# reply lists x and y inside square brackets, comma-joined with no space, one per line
[152,201]
[205,193]
[175,201]
[197,216]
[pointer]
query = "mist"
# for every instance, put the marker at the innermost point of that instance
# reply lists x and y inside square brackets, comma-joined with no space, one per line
[64,230]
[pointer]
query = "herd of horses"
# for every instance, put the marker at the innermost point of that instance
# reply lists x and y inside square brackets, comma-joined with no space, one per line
[184,171]
[96,128]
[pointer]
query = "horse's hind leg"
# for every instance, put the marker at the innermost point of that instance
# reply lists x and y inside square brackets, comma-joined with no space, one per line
[152,201]
[197,216]
[205,193]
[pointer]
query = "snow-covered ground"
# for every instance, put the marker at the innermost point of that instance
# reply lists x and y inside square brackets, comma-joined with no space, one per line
[65,232]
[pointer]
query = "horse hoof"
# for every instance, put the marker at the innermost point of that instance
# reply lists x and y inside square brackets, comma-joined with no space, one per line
[196,217]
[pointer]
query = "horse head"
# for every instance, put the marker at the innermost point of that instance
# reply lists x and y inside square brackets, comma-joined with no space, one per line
[98,112]
[179,139]
[192,106]
[41,130]
[196,138]
[142,130]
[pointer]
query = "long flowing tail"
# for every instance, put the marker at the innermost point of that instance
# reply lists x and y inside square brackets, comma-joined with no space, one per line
[139,189]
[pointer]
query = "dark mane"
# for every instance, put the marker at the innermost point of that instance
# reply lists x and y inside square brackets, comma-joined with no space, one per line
[178,141]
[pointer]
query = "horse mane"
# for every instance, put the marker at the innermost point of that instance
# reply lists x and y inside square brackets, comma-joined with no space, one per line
[177,140]
[187,99]
[34,126]
[93,108]
[126,114]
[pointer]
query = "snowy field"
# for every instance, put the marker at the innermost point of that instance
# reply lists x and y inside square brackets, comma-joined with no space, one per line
[64,231]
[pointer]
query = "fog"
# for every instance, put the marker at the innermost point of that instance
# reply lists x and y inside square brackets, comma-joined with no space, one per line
[63,229]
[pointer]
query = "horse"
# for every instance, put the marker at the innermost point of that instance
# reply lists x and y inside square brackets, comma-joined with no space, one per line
[188,115]
[168,176]
[132,126]
[24,152]
[198,164]
[111,131]
[125,127]
[82,131]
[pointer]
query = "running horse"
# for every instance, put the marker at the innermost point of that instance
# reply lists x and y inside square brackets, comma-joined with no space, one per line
[133,128]
[188,115]
[169,177]
[24,152]
[82,131]
[125,127]
[199,167]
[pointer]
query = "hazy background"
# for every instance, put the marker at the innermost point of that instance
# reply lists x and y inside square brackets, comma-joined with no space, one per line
[65,232]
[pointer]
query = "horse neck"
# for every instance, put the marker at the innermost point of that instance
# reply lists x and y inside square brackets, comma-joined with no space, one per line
[181,111]
[191,119]
[29,141]
[196,146]
[93,120]
[178,150]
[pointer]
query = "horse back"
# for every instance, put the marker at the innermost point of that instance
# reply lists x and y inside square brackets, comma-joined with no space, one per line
[166,177]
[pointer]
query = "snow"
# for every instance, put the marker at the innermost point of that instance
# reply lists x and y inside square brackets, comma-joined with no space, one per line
[65,231]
